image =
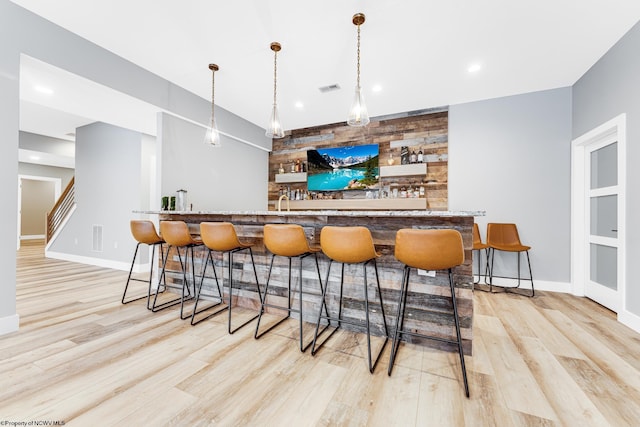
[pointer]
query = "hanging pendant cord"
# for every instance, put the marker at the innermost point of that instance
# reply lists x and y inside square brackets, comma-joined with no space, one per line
[275,75]
[213,91]
[358,68]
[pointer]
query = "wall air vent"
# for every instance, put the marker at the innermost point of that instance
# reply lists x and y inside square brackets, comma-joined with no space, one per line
[329,88]
[97,238]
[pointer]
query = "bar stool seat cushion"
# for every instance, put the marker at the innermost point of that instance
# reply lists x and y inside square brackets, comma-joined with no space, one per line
[287,240]
[504,237]
[145,232]
[478,244]
[429,249]
[176,233]
[221,236]
[349,245]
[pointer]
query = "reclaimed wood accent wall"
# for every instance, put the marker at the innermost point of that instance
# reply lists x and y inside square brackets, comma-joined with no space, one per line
[424,129]
[429,299]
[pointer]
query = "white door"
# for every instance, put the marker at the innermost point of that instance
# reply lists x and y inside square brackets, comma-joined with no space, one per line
[598,186]
[602,207]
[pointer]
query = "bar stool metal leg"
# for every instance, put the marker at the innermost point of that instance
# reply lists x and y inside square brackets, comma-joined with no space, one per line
[155,308]
[148,281]
[230,267]
[428,249]
[372,363]
[198,293]
[289,308]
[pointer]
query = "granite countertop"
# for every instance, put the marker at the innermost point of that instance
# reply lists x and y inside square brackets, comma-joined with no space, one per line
[408,213]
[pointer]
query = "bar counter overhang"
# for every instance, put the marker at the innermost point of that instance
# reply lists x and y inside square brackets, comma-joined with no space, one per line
[429,300]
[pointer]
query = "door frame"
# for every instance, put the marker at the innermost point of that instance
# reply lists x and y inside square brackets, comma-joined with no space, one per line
[57,190]
[580,185]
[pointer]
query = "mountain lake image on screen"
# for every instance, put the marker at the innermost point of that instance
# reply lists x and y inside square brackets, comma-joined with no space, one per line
[353,167]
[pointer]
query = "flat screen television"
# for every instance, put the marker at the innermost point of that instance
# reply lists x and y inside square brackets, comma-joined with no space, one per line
[354,167]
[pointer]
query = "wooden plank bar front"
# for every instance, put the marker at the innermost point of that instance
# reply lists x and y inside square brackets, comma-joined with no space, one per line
[429,300]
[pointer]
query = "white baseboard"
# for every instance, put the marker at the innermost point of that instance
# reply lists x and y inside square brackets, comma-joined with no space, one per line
[32,237]
[9,324]
[98,262]
[629,319]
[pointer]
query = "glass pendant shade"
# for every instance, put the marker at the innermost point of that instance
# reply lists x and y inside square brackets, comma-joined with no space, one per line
[275,129]
[212,137]
[358,115]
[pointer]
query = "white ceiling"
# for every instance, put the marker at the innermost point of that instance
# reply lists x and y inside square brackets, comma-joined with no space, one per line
[417,51]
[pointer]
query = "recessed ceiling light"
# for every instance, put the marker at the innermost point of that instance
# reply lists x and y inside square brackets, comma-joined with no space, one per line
[43,89]
[376,88]
[474,68]
[299,105]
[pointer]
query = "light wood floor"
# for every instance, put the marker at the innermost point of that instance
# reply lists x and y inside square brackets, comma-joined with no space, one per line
[83,358]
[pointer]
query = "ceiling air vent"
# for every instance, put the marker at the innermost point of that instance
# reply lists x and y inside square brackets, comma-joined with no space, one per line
[329,88]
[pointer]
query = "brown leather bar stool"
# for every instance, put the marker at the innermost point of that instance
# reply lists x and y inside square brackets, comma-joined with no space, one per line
[505,237]
[440,249]
[176,234]
[287,240]
[145,233]
[222,237]
[479,245]
[350,245]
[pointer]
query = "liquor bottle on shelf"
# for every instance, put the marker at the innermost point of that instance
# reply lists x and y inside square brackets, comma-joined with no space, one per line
[293,166]
[404,156]
[280,169]
[298,166]
[422,190]
[414,156]
[390,159]
[420,156]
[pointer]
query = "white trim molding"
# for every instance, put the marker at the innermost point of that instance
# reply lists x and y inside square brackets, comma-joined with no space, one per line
[9,324]
[613,130]
[98,262]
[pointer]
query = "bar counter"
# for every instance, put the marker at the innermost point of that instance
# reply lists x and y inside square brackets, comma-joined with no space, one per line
[429,301]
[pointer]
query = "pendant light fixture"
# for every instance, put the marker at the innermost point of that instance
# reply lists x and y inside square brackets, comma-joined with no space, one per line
[358,115]
[212,137]
[275,130]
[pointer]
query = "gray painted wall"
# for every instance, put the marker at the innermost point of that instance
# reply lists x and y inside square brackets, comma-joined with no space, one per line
[511,157]
[47,144]
[9,124]
[231,177]
[107,189]
[65,174]
[22,32]
[609,88]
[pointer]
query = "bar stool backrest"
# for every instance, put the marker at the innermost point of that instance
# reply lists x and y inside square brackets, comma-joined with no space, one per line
[477,241]
[347,244]
[176,233]
[286,239]
[438,249]
[502,235]
[144,231]
[220,236]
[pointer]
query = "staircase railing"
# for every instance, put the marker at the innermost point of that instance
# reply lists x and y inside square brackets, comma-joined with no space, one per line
[61,209]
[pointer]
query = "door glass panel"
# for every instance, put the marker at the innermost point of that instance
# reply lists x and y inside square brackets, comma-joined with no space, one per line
[604,266]
[604,166]
[604,216]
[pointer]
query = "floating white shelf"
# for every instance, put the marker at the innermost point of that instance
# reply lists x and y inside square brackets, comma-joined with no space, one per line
[291,177]
[356,204]
[403,170]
